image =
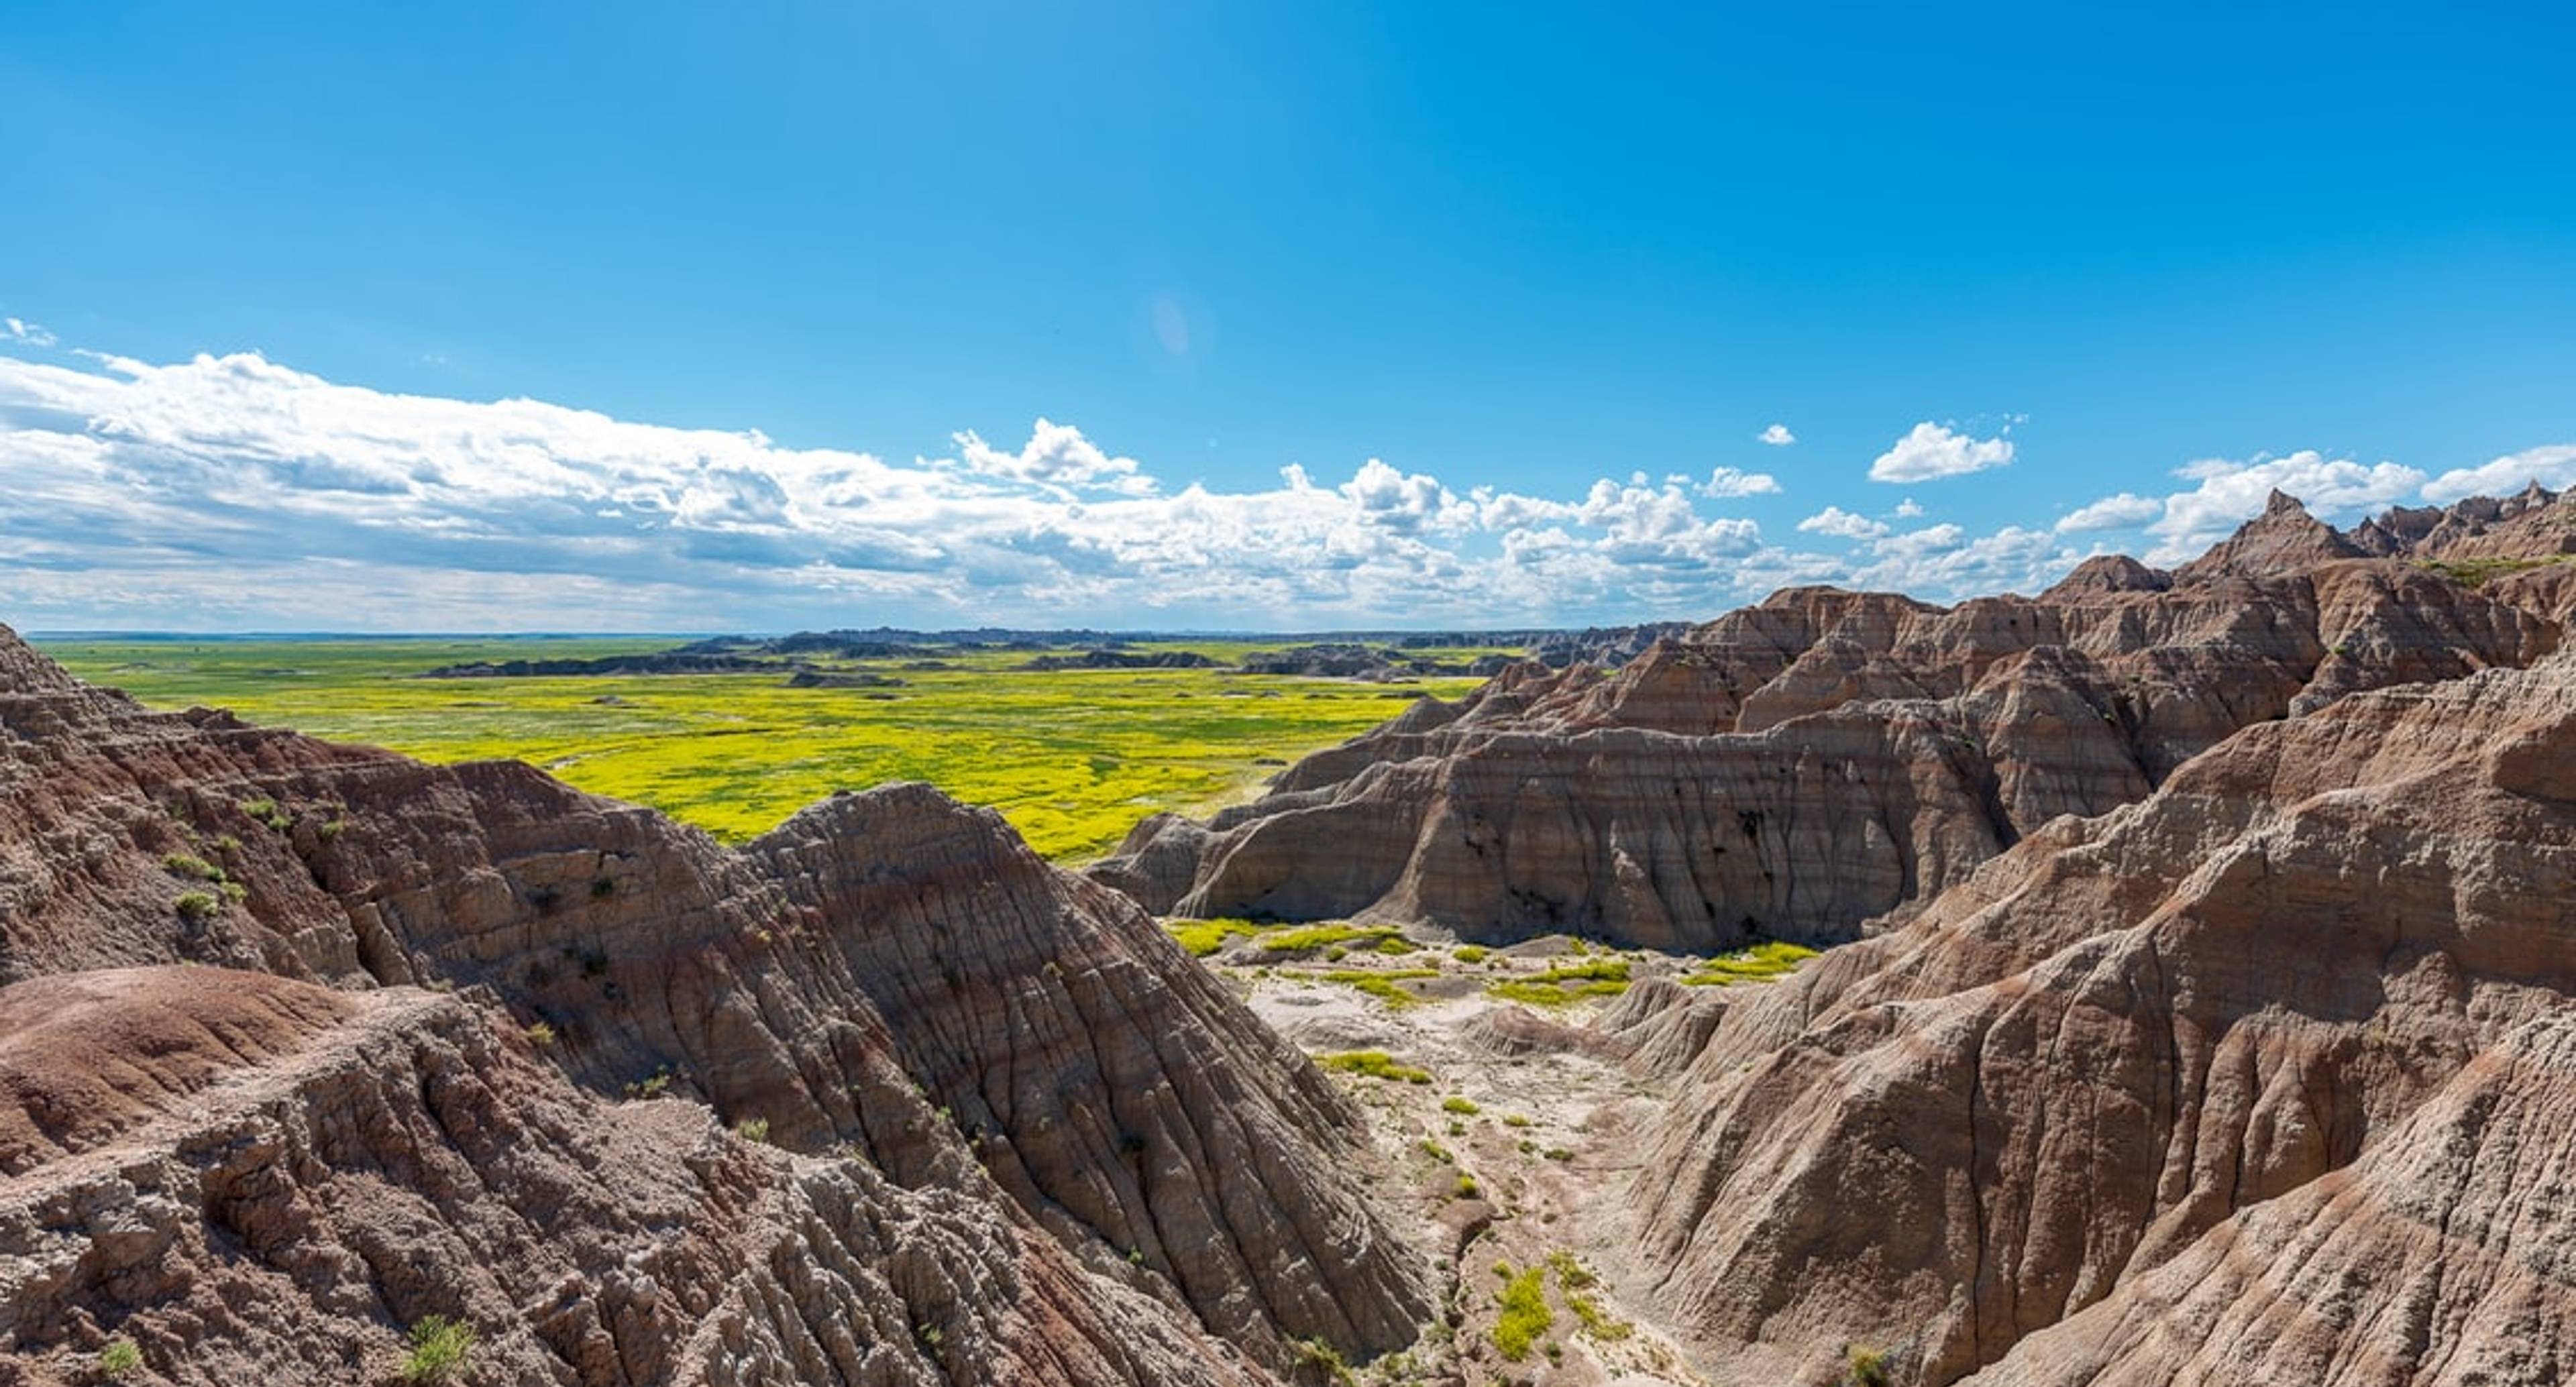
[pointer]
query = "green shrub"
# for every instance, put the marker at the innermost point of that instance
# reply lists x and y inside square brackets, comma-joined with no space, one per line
[1471,953]
[1513,1119]
[1868,1367]
[194,868]
[197,907]
[1385,984]
[1524,1317]
[1760,963]
[1468,1188]
[539,1034]
[121,1359]
[439,1347]
[752,1129]
[1562,986]
[1463,1106]
[1375,1064]
[267,811]
[1322,1357]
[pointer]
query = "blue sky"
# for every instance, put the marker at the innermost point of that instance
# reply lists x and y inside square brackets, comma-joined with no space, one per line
[696,317]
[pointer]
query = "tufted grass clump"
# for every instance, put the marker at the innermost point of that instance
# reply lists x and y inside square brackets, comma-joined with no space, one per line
[1374,1064]
[1471,953]
[1523,1316]
[1460,1104]
[197,907]
[1867,1367]
[121,1359]
[1565,985]
[1318,1356]
[1761,963]
[194,868]
[439,1348]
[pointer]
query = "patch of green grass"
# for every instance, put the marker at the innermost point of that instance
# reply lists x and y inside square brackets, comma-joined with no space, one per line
[1566,984]
[1073,758]
[1318,1356]
[1375,1064]
[1385,984]
[197,907]
[198,868]
[1761,963]
[2471,573]
[1460,1104]
[753,1129]
[1516,1120]
[1524,1317]
[1307,938]
[439,1348]
[1572,1280]
[1205,937]
[121,1359]
[1867,1367]
[1471,953]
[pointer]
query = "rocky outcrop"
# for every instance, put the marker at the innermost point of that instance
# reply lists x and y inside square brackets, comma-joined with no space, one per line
[2184,1092]
[248,1178]
[888,972]
[1826,758]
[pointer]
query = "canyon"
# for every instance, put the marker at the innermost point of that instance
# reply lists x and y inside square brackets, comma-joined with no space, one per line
[2189,1002]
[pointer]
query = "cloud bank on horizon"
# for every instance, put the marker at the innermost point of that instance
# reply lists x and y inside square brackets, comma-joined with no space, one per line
[232,492]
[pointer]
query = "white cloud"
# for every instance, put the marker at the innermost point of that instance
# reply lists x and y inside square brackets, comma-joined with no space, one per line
[1778,436]
[1842,524]
[2231,493]
[1727,483]
[1056,455]
[2553,466]
[1931,451]
[235,491]
[2121,512]
[20,330]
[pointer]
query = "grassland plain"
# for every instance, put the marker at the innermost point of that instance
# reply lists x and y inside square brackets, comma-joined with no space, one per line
[1072,757]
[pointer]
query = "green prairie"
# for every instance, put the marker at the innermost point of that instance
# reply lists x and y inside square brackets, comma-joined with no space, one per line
[1073,758]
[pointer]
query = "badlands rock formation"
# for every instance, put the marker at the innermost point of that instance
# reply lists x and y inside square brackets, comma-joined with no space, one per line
[2263,1079]
[959,1045]
[1825,758]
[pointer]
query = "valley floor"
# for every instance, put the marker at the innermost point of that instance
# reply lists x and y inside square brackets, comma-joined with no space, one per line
[1504,1113]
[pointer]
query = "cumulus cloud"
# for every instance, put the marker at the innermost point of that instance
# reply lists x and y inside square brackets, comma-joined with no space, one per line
[1931,451]
[1842,524]
[2122,512]
[235,490]
[2553,467]
[1057,456]
[1778,436]
[2230,493]
[1726,483]
[232,491]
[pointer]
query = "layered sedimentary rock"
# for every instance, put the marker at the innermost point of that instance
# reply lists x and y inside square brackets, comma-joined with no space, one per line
[248,1178]
[1825,758]
[2261,1079]
[888,973]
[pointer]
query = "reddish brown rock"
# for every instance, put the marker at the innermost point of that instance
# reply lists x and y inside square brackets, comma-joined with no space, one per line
[1826,758]
[888,971]
[255,1179]
[2116,1047]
